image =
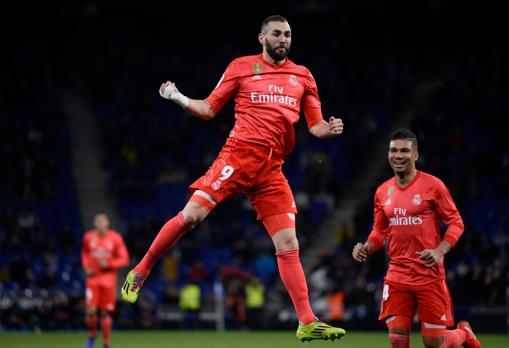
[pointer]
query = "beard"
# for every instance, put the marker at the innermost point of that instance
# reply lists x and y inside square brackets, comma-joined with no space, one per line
[277,53]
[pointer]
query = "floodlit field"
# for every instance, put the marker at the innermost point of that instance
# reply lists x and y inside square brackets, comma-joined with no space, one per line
[210,339]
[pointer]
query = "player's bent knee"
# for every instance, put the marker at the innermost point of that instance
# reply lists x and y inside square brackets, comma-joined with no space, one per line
[194,213]
[192,218]
[285,240]
[198,207]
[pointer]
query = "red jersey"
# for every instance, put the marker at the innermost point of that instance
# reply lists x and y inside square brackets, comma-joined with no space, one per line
[409,218]
[268,101]
[109,247]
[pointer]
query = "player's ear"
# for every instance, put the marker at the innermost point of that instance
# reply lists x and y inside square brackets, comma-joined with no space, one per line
[261,38]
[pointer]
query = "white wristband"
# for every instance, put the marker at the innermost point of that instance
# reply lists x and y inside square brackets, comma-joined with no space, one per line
[180,99]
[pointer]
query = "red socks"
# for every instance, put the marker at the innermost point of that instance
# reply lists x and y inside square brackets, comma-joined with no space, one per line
[106,323]
[294,280]
[91,322]
[399,341]
[167,236]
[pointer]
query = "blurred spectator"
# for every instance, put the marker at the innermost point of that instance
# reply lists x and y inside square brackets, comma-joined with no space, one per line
[190,303]
[235,311]
[255,303]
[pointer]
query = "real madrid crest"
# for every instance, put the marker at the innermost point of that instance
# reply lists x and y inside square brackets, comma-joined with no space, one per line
[257,68]
[417,199]
[292,80]
[216,185]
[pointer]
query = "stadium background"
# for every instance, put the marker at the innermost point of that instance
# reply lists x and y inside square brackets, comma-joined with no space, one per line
[84,130]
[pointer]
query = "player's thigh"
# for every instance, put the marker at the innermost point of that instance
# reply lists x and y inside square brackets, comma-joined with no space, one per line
[91,296]
[107,298]
[434,303]
[272,195]
[397,300]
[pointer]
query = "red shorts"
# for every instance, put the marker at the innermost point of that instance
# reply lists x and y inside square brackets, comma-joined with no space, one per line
[103,297]
[432,301]
[251,169]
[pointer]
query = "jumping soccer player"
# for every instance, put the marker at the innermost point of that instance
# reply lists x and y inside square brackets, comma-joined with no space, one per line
[269,91]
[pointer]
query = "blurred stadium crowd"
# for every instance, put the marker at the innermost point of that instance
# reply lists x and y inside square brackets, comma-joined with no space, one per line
[152,151]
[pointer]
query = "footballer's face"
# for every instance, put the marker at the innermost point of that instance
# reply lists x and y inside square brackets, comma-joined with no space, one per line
[276,38]
[402,156]
[101,222]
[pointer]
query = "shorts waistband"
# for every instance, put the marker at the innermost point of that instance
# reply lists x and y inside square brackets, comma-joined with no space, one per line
[272,152]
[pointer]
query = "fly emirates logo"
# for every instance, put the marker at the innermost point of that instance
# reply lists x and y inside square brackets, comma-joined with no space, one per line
[274,96]
[100,253]
[400,218]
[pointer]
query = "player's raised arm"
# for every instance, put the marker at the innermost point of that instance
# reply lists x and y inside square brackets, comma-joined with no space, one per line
[198,107]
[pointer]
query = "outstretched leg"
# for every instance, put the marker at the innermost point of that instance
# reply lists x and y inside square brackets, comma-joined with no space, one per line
[195,211]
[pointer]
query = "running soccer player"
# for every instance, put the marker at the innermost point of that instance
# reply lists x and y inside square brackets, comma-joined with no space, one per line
[407,214]
[269,91]
[102,253]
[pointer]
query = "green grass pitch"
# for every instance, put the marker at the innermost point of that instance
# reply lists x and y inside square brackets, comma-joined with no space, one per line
[211,339]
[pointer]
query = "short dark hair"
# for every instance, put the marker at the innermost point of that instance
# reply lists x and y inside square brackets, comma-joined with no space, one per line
[273,18]
[404,133]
